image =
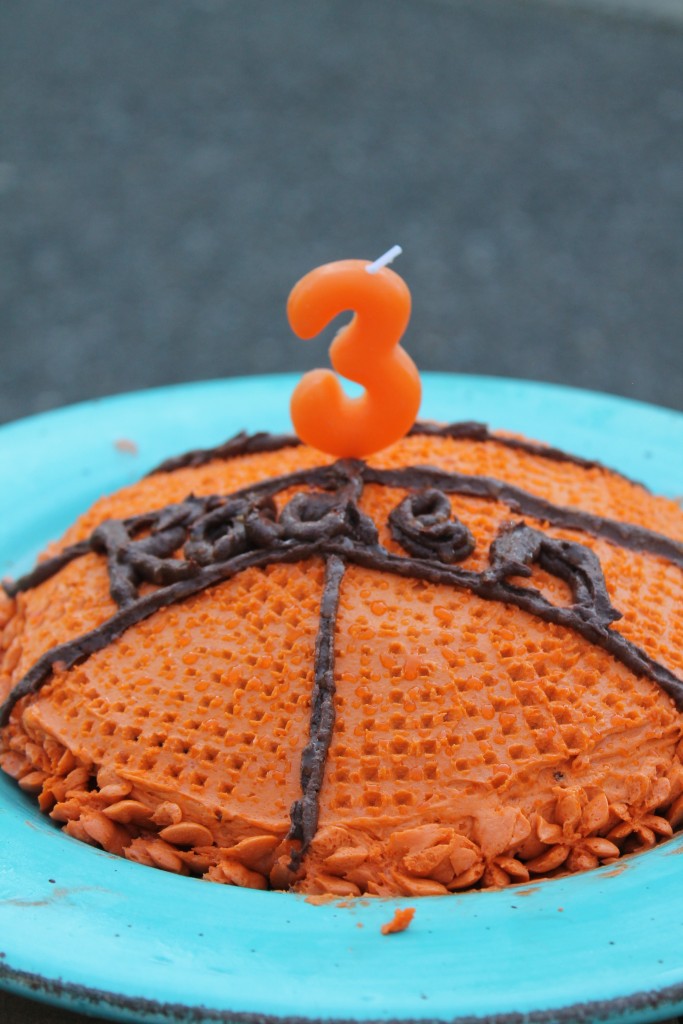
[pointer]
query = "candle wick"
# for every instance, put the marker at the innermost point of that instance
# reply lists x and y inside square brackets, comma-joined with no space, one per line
[388,257]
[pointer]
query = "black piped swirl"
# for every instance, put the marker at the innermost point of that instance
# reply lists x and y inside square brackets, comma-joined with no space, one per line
[319,516]
[518,546]
[149,559]
[234,527]
[424,525]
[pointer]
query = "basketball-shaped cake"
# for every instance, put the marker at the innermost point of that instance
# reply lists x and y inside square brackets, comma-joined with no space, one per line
[454,664]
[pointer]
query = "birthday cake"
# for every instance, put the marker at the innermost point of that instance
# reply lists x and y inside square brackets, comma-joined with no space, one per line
[454,664]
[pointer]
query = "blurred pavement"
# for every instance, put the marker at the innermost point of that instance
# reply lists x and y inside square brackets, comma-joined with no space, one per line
[169,170]
[652,10]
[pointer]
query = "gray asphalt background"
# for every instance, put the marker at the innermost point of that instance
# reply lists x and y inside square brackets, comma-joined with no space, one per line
[169,170]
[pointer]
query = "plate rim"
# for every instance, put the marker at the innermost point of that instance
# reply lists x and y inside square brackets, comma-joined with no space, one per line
[73,994]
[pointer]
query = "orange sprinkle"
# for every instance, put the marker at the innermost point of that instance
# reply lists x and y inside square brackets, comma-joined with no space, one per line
[411,667]
[399,921]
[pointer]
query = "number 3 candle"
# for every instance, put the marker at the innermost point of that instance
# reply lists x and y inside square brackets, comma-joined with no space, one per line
[366,351]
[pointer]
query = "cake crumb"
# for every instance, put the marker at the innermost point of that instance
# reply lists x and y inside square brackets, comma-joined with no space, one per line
[399,921]
[321,899]
[124,444]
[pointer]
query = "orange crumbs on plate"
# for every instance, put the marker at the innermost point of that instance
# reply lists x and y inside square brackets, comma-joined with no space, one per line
[399,922]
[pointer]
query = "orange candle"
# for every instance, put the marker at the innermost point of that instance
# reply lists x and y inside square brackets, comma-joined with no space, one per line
[366,351]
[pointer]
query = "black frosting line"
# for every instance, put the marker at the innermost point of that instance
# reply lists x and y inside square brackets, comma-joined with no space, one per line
[473,431]
[491,587]
[305,811]
[345,475]
[469,430]
[622,534]
[47,568]
[627,535]
[76,651]
[240,444]
[327,477]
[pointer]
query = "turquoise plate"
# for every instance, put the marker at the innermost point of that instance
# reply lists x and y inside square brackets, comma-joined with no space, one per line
[97,934]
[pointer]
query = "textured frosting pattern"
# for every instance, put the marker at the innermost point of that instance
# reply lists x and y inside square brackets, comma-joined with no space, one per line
[412,675]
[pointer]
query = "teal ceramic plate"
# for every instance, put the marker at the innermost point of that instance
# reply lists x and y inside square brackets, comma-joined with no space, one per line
[98,934]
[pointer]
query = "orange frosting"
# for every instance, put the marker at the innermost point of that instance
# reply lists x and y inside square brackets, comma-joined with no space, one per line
[474,745]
